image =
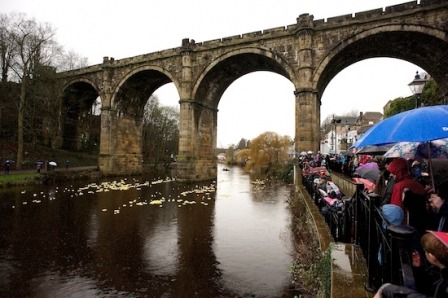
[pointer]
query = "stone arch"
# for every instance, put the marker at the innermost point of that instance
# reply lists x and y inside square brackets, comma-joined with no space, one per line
[122,119]
[227,68]
[79,129]
[401,41]
[155,78]
[85,80]
[200,113]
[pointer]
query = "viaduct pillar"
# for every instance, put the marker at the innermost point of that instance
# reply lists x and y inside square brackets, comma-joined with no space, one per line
[307,101]
[197,130]
[121,134]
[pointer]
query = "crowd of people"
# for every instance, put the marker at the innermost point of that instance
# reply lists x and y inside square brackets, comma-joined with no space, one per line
[413,193]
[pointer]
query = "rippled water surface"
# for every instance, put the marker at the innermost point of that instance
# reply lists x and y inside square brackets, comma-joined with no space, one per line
[146,238]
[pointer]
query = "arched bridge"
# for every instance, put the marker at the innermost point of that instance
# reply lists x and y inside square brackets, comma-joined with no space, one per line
[309,53]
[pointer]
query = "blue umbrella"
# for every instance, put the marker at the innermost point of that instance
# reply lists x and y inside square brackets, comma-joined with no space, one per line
[418,125]
[424,125]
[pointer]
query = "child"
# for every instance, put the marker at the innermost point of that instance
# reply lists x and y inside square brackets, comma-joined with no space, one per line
[435,245]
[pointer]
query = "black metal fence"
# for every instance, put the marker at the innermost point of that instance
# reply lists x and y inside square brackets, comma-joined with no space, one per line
[387,248]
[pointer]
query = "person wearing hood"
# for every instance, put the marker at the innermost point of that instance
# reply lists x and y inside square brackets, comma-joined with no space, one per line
[409,194]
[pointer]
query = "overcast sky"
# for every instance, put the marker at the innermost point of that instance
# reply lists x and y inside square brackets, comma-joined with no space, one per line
[253,104]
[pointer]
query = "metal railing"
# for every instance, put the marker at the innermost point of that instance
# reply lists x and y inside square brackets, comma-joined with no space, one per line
[387,248]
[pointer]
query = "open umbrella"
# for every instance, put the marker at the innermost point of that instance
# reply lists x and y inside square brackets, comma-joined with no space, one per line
[418,125]
[369,185]
[424,124]
[371,174]
[419,150]
[374,149]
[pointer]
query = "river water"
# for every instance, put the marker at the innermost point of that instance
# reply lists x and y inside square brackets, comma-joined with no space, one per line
[147,238]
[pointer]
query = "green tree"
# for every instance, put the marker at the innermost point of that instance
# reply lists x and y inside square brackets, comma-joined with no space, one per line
[399,105]
[427,98]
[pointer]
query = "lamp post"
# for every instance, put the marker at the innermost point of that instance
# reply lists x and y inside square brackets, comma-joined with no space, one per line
[334,122]
[416,87]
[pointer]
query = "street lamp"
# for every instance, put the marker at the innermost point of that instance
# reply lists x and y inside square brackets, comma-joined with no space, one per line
[335,138]
[416,87]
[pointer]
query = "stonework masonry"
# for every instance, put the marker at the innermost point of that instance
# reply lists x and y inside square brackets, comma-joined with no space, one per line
[309,53]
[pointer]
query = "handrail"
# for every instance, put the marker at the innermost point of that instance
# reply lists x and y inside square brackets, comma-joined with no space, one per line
[386,248]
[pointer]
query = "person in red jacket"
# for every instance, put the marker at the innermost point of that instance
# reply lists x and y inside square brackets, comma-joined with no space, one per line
[399,168]
[409,194]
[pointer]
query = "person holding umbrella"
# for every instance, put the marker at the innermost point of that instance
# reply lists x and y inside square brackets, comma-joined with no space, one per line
[7,167]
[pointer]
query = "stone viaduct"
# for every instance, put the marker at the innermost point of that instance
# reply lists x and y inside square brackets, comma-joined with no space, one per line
[309,53]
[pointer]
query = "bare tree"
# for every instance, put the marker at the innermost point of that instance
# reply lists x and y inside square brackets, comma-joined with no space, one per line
[6,46]
[34,47]
[160,132]
[71,60]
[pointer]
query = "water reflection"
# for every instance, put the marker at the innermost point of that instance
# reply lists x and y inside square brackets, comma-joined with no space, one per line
[225,240]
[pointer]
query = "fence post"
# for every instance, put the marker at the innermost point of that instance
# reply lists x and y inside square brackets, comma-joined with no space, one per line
[372,244]
[400,242]
[357,216]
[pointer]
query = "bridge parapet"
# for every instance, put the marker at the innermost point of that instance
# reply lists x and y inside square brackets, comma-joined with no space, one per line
[275,32]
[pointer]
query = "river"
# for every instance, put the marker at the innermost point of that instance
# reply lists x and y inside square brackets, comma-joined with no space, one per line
[147,238]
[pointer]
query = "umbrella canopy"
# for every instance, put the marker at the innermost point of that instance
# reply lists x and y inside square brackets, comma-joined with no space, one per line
[419,150]
[374,149]
[52,163]
[418,125]
[369,185]
[368,165]
[369,174]
[424,124]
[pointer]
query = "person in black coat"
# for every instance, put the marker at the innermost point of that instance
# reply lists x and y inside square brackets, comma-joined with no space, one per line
[438,211]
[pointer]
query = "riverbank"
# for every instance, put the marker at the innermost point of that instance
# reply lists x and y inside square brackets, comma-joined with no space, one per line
[30,176]
[27,177]
[346,269]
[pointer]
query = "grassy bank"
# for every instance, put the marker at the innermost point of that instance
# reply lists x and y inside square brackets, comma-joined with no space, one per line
[311,270]
[32,153]
[18,179]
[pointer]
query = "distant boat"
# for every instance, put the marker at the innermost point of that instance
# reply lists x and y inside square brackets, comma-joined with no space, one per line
[225,169]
